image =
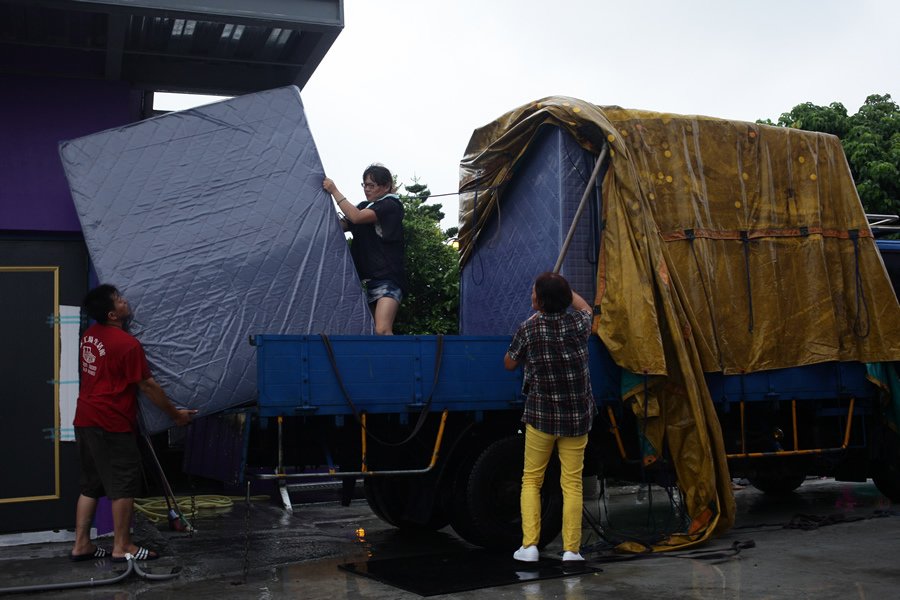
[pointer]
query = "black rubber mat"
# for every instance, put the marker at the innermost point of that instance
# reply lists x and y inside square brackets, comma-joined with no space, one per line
[435,574]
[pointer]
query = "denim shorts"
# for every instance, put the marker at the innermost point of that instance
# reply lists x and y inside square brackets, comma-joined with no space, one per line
[380,288]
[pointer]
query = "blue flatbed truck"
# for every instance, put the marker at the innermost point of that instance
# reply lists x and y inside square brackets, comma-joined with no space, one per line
[431,425]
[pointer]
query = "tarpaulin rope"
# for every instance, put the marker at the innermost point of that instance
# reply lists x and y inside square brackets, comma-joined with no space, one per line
[439,353]
[755,234]
[861,320]
[474,240]
[656,532]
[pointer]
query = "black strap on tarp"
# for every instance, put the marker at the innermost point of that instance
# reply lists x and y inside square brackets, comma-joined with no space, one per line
[745,240]
[426,407]
[860,323]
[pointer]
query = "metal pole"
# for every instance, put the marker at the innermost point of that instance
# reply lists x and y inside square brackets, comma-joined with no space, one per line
[282,485]
[587,192]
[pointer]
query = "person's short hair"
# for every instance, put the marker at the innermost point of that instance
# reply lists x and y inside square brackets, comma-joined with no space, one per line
[553,292]
[379,174]
[100,301]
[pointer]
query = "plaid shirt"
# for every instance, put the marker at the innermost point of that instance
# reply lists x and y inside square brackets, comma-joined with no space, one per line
[557,380]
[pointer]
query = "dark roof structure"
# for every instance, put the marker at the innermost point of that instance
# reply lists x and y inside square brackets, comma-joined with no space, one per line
[223,47]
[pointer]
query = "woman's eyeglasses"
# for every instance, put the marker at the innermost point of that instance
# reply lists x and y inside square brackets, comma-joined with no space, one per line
[368,186]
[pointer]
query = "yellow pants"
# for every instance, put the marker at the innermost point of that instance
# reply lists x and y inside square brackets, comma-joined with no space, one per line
[538,449]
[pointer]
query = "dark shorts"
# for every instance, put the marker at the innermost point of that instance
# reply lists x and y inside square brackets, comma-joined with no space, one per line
[382,288]
[110,463]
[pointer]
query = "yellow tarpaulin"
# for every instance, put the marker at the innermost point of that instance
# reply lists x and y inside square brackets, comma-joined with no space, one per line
[726,246]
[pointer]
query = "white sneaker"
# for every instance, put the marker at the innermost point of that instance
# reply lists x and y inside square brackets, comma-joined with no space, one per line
[572,556]
[529,554]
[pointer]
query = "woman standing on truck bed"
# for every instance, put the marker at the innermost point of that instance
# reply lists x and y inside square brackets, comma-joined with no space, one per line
[378,247]
[559,406]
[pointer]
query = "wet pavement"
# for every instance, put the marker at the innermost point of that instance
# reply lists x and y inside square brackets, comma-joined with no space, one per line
[840,541]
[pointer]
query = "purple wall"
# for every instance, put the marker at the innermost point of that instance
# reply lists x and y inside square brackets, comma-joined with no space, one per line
[35,115]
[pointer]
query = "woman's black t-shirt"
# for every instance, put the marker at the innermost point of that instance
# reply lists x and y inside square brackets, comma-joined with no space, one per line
[378,249]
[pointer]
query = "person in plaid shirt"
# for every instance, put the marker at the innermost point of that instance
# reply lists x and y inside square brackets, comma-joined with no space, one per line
[559,406]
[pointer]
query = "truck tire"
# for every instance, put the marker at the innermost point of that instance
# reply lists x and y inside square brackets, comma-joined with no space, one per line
[777,482]
[406,502]
[460,515]
[887,480]
[886,470]
[493,494]
[374,498]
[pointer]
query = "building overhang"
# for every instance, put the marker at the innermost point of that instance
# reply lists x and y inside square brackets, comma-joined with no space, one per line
[221,47]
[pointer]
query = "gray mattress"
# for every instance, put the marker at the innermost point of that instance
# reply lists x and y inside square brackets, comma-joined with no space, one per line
[524,238]
[213,223]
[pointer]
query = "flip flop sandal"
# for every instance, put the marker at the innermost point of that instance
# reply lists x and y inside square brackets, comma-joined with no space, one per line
[97,553]
[141,554]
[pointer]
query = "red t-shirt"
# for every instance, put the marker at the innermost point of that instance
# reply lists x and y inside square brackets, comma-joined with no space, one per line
[112,363]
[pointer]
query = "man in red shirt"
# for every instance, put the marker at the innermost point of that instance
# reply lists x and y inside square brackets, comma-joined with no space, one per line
[113,368]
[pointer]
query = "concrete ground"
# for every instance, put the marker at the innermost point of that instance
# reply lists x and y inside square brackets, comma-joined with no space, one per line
[261,552]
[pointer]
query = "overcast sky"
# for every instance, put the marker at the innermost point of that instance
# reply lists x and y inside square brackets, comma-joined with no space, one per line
[407,81]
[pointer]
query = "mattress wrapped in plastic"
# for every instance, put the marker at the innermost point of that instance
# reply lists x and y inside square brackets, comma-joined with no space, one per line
[213,223]
[524,237]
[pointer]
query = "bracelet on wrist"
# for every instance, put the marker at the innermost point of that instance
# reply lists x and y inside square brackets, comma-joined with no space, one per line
[342,199]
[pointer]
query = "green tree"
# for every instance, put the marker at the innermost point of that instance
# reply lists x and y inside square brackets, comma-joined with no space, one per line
[831,119]
[873,149]
[871,141]
[431,304]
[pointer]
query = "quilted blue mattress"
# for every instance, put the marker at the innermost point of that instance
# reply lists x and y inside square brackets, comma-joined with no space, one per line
[526,234]
[213,223]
